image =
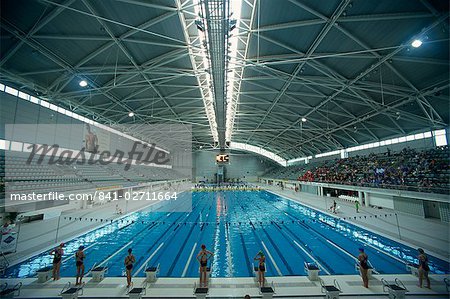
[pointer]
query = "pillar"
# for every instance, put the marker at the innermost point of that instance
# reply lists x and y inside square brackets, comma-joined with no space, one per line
[367,198]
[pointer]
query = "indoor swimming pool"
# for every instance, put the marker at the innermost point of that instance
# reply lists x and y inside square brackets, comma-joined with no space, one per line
[234,225]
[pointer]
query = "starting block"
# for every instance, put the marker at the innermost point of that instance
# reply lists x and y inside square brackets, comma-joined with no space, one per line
[98,273]
[136,293]
[44,274]
[200,292]
[267,292]
[331,291]
[6,292]
[69,292]
[312,270]
[396,290]
[152,273]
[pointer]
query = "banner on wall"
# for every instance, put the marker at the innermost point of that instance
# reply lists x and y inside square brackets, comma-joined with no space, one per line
[8,242]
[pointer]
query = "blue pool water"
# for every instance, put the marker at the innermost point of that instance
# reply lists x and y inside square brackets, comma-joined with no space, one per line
[235,225]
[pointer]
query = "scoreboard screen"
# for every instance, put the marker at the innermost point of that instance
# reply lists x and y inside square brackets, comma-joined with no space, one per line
[222,158]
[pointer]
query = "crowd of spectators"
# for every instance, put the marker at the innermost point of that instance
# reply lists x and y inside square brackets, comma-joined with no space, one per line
[409,169]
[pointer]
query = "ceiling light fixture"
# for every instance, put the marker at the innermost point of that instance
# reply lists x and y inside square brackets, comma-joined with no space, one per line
[204,78]
[131,114]
[234,64]
[416,43]
[303,119]
[83,83]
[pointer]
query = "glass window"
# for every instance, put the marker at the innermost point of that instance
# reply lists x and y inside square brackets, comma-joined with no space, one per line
[440,138]
[27,147]
[34,100]
[23,95]
[16,146]
[418,136]
[11,90]
[53,107]
[45,104]
[4,144]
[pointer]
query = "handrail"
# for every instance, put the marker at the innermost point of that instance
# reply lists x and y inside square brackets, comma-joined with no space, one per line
[400,283]
[322,285]
[90,270]
[6,262]
[336,284]
[66,287]
[17,288]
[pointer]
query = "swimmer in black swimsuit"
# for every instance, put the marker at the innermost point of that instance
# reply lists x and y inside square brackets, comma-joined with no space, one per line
[203,256]
[261,267]
[423,268]
[129,261]
[364,266]
[79,257]
[57,256]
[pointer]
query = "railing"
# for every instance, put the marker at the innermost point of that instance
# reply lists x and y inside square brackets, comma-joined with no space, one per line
[4,263]
[437,190]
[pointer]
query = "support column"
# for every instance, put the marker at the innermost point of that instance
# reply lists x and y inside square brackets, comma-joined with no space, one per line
[367,198]
[360,195]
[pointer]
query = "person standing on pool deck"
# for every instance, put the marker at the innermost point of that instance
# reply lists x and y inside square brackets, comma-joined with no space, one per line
[261,267]
[357,206]
[57,256]
[202,257]
[129,261]
[79,257]
[364,266]
[423,268]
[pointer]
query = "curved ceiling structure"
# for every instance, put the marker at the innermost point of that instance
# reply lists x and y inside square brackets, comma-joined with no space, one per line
[295,77]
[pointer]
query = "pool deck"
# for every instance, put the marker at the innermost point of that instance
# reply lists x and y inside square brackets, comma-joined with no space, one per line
[285,287]
[432,235]
[42,235]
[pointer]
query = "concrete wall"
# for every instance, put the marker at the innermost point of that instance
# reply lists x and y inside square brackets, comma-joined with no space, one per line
[381,200]
[244,166]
